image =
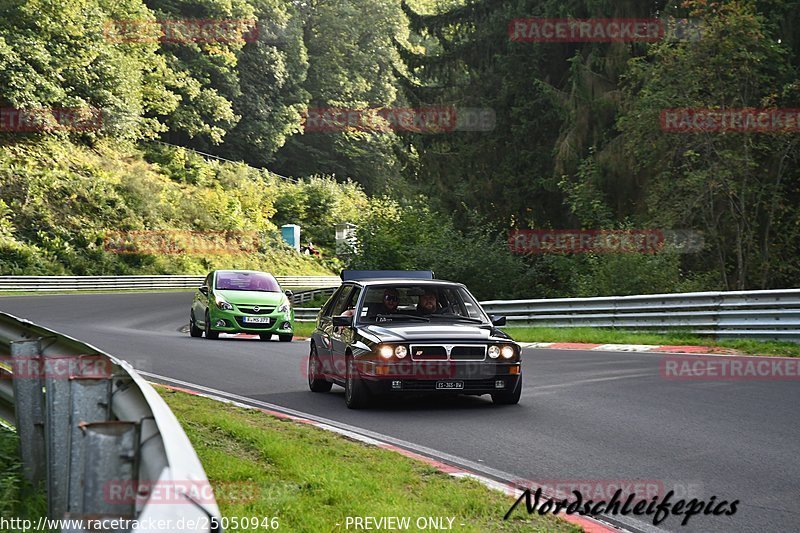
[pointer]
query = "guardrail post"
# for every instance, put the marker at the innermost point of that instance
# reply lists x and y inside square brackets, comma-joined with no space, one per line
[111,450]
[90,399]
[29,407]
[56,385]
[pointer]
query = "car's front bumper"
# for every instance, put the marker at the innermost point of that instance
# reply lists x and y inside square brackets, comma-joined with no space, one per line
[279,323]
[467,377]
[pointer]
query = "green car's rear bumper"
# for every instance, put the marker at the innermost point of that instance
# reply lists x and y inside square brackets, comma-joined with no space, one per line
[279,323]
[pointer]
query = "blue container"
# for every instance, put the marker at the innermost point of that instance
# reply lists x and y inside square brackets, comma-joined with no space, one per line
[291,234]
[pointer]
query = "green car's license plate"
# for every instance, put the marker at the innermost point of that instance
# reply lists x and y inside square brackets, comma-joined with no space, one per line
[446,385]
[256,320]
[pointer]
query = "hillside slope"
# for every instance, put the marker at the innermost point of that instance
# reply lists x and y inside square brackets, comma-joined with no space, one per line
[70,209]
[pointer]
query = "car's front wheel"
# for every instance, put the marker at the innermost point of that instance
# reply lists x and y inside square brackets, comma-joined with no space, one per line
[356,395]
[210,333]
[316,381]
[194,331]
[508,398]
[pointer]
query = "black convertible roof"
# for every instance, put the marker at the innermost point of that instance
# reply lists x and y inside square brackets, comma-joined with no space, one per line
[352,275]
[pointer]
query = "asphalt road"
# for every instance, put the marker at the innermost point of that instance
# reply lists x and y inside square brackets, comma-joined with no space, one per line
[584,416]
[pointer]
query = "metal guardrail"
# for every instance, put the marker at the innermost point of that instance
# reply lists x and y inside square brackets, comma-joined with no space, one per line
[305,314]
[98,436]
[765,315]
[772,314]
[75,283]
[306,296]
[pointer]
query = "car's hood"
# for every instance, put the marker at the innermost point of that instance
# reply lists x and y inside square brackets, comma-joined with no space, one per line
[251,297]
[430,331]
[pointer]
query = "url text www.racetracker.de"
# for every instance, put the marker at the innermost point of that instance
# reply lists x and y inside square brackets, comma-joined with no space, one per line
[659,508]
[160,525]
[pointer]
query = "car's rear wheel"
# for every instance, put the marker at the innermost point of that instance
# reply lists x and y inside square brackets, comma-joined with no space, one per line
[316,381]
[356,395]
[285,338]
[508,398]
[265,336]
[210,333]
[194,331]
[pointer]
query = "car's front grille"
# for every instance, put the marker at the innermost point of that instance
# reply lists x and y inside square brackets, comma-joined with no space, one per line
[468,353]
[432,352]
[428,352]
[250,309]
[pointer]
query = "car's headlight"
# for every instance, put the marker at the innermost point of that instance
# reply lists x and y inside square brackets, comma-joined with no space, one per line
[386,351]
[400,351]
[494,352]
[284,308]
[507,352]
[222,304]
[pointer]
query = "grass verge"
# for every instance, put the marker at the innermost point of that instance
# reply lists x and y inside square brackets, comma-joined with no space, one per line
[303,329]
[618,336]
[312,480]
[17,498]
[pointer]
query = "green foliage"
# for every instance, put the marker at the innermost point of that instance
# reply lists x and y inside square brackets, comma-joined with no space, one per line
[352,63]
[416,236]
[317,204]
[740,188]
[11,472]
[17,498]
[61,205]
[576,142]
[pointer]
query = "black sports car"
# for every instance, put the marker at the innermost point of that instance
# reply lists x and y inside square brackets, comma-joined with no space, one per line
[393,332]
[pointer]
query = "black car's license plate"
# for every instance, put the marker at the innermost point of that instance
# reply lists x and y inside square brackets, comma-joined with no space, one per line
[449,385]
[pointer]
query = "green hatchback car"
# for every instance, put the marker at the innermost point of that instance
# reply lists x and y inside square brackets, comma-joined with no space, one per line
[241,301]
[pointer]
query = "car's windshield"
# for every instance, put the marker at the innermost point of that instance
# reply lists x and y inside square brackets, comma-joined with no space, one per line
[246,281]
[412,302]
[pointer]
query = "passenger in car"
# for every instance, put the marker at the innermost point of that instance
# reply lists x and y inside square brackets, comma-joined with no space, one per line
[428,303]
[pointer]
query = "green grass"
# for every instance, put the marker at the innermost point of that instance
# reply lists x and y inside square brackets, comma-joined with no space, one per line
[311,479]
[303,329]
[17,498]
[618,336]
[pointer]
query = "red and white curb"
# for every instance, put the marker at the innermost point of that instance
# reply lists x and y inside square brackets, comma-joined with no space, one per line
[589,525]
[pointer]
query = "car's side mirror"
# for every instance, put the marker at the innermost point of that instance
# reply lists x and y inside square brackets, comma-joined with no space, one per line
[498,320]
[204,290]
[342,321]
[288,293]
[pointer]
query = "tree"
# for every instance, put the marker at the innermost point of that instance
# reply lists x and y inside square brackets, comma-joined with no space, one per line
[740,188]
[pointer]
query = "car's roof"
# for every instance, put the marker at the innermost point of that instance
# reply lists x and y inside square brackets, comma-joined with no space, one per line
[401,281]
[242,271]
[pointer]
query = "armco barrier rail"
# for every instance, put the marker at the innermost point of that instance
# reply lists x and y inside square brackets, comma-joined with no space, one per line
[773,314]
[764,315]
[74,283]
[98,436]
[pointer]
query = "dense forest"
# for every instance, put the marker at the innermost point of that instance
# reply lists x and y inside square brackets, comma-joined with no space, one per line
[571,136]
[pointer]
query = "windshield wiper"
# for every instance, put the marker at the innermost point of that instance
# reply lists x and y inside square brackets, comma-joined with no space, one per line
[459,317]
[402,316]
